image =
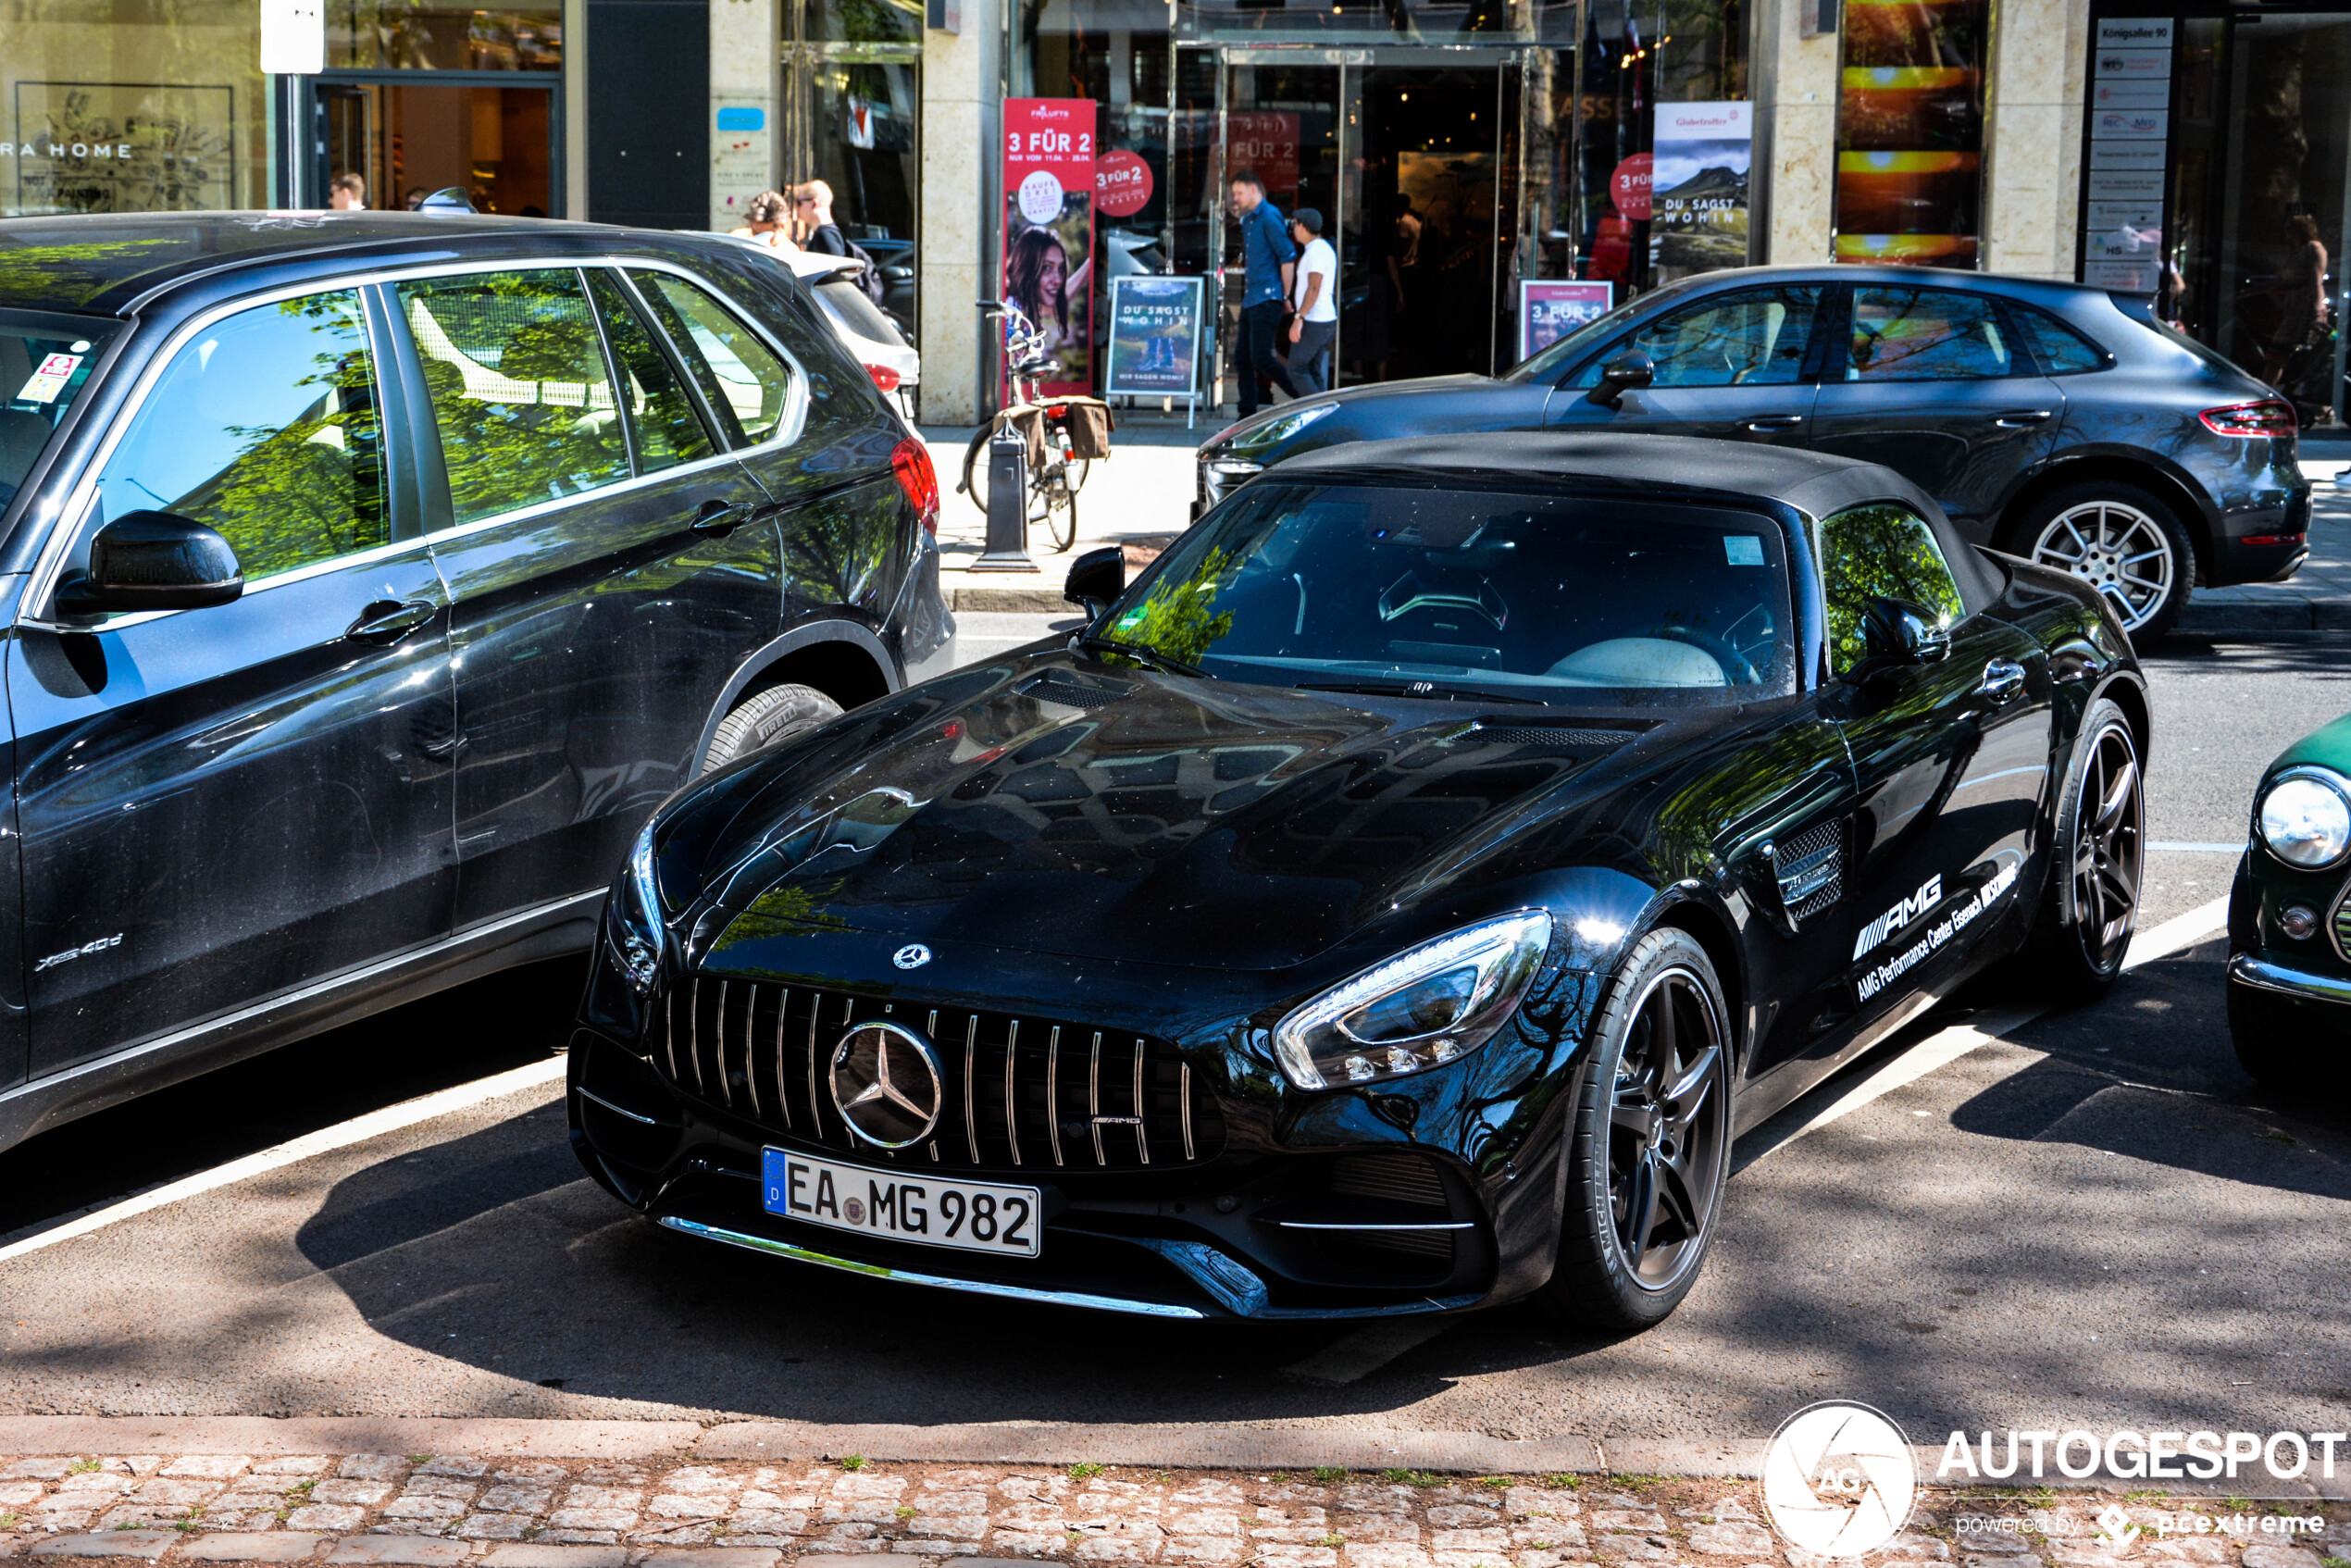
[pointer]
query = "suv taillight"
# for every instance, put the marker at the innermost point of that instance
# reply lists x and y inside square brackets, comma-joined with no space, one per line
[2270,416]
[911,466]
[884,377]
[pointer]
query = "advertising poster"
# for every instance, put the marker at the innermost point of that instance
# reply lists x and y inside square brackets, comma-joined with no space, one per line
[1266,143]
[742,163]
[1548,309]
[1154,336]
[1049,230]
[1698,202]
[94,146]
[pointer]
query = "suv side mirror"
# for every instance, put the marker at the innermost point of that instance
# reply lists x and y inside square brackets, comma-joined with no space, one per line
[1095,579]
[1625,370]
[1899,632]
[154,561]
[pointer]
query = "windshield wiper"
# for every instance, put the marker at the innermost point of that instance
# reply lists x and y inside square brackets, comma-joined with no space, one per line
[1417,688]
[1141,654]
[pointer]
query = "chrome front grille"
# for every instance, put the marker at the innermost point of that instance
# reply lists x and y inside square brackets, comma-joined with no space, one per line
[1020,1093]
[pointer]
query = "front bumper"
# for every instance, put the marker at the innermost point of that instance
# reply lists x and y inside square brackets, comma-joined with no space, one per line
[2304,985]
[1220,1221]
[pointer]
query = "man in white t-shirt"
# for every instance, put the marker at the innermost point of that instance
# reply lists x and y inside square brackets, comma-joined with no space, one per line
[1315,296]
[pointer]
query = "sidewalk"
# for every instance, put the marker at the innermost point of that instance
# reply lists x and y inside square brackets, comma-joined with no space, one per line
[454,1510]
[1140,495]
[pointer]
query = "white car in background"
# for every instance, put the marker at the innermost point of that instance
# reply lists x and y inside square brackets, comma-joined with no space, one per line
[859,323]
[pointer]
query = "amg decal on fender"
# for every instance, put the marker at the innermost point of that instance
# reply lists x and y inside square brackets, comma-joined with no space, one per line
[1910,909]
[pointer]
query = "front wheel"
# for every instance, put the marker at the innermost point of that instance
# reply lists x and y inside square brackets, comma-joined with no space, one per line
[2083,928]
[1650,1143]
[2121,541]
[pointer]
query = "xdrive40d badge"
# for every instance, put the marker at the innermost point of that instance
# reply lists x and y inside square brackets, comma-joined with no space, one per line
[1394,901]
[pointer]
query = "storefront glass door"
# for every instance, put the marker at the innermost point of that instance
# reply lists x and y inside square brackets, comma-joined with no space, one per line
[408,138]
[1411,158]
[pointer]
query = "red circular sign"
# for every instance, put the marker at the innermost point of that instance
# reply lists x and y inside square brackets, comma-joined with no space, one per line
[1629,187]
[1122,183]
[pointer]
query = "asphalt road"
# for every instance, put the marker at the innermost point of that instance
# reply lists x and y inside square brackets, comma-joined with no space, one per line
[2094,1221]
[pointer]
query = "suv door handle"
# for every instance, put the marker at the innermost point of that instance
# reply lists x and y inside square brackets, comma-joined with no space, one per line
[2003,680]
[715,517]
[386,621]
[1775,422]
[2017,419]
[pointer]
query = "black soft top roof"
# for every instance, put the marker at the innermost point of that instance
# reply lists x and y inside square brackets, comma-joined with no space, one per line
[102,262]
[1812,482]
[1654,466]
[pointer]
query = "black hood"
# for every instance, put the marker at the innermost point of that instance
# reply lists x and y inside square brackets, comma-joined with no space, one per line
[1074,810]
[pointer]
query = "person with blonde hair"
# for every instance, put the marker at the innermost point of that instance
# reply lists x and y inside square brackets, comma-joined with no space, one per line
[764,220]
[812,217]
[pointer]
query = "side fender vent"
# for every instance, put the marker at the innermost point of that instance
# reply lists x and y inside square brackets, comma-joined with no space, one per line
[1812,869]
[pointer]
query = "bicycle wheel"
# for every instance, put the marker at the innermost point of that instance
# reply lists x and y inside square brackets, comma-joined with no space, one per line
[1061,515]
[976,468]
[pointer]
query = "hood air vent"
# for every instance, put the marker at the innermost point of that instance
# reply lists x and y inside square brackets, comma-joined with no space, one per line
[1552,737]
[1067,691]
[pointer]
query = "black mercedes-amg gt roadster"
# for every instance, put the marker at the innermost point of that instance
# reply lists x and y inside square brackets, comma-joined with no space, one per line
[1394,901]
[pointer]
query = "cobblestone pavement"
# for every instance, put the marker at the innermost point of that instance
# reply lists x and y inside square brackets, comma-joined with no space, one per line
[446,1509]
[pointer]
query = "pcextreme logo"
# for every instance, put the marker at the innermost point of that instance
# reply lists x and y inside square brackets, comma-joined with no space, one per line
[1838,1479]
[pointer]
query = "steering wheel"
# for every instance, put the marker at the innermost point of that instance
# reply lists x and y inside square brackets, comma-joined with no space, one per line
[1735,665]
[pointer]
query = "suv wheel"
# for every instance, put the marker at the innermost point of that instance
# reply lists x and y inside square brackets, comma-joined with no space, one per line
[765,717]
[2121,541]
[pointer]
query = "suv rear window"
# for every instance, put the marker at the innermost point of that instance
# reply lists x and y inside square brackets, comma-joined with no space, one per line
[844,299]
[44,363]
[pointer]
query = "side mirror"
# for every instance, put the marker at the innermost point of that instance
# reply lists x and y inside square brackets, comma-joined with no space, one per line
[1095,579]
[1899,632]
[1626,370]
[154,561]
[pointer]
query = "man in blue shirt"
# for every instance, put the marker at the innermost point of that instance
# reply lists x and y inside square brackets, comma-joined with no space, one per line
[1266,247]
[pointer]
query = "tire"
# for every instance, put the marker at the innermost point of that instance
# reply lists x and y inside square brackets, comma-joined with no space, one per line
[764,718]
[1646,1165]
[2097,864]
[1060,518]
[976,468]
[2121,540]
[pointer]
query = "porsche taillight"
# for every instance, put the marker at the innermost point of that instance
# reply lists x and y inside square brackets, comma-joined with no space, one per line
[2269,417]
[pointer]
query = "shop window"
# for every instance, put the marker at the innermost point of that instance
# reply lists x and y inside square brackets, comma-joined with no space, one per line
[1911,131]
[397,35]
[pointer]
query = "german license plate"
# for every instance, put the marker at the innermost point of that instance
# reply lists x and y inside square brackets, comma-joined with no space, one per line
[973,1216]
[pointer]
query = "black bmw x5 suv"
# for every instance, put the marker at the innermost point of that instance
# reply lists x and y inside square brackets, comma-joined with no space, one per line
[366,581]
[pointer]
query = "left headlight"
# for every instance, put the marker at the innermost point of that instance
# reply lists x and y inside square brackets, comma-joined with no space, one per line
[2304,818]
[635,927]
[1425,1007]
[1279,428]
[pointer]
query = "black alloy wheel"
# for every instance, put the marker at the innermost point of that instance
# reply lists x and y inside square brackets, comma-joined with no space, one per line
[2109,847]
[1652,1143]
[2082,932]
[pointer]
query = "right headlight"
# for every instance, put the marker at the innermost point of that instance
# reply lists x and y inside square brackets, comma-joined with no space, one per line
[2304,817]
[1423,1008]
[634,928]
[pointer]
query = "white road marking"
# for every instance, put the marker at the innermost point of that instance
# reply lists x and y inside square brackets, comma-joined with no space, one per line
[392,1118]
[2197,848]
[1356,1355]
[1944,1047]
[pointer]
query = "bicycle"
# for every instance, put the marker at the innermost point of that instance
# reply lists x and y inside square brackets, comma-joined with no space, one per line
[1056,476]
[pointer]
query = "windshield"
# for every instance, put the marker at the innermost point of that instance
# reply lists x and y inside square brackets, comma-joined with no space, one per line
[44,363]
[843,299]
[1473,593]
[1546,366]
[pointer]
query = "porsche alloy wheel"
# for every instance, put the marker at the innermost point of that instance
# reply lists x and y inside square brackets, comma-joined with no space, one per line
[2122,548]
[1651,1141]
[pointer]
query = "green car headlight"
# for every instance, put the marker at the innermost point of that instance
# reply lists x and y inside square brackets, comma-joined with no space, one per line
[2304,817]
[1426,1006]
